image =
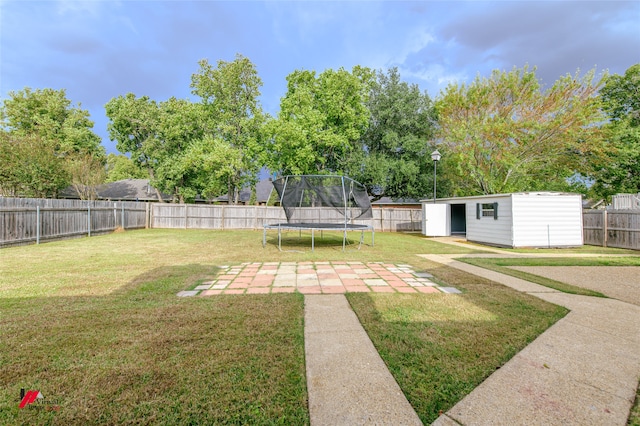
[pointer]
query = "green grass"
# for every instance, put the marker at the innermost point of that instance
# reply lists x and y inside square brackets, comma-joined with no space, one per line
[440,347]
[102,265]
[95,325]
[144,356]
[579,250]
[586,249]
[634,416]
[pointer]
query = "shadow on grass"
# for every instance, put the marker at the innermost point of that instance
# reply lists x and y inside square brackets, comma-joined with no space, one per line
[440,347]
[142,355]
[303,242]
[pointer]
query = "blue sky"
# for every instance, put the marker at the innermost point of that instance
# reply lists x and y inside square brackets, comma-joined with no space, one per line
[98,50]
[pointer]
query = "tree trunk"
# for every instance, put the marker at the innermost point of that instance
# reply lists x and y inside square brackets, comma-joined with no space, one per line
[158,194]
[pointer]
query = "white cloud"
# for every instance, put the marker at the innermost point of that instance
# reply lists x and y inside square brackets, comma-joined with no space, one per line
[416,41]
[90,7]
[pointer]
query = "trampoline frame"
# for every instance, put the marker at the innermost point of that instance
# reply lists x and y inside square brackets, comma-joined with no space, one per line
[343,227]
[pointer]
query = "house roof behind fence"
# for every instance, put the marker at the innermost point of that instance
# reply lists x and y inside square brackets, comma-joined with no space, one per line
[122,190]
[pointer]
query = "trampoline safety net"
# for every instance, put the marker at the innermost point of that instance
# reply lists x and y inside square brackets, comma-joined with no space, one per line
[343,198]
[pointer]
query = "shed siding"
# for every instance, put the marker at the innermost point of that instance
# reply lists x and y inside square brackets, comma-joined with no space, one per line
[547,220]
[487,229]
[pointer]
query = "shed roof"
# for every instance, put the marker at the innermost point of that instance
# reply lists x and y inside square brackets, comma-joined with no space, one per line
[511,194]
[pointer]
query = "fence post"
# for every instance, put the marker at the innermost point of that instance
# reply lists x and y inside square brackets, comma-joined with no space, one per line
[186,217]
[255,217]
[122,214]
[146,215]
[37,224]
[88,218]
[115,215]
[605,231]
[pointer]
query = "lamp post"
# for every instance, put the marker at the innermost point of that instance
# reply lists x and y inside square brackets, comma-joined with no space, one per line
[435,156]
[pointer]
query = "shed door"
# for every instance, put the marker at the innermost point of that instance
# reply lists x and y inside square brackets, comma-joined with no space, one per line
[458,219]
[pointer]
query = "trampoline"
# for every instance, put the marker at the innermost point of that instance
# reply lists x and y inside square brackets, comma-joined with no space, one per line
[322,203]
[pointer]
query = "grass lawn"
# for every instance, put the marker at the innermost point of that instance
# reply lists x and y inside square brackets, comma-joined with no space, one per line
[439,348]
[96,326]
[634,417]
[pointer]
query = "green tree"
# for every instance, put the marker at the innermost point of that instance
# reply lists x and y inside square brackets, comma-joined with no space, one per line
[181,124]
[321,121]
[30,167]
[87,172]
[505,133]
[156,135]
[134,125]
[394,155]
[213,162]
[48,114]
[619,169]
[121,167]
[48,137]
[234,121]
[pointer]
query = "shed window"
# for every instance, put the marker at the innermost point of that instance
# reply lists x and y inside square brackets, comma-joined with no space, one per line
[487,210]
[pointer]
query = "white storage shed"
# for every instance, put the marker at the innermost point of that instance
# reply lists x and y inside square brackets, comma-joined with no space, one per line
[528,219]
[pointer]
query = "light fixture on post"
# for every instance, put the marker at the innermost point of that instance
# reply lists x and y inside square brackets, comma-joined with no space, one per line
[435,156]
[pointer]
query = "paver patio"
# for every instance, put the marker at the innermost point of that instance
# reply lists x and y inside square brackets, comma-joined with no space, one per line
[318,278]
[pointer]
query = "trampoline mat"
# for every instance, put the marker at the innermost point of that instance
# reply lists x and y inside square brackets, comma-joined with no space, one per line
[322,226]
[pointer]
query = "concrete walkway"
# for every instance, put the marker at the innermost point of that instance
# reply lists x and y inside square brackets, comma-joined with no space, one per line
[584,370]
[347,381]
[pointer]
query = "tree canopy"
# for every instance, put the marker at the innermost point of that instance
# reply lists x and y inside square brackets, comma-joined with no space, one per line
[48,114]
[196,148]
[393,154]
[506,133]
[619,169]
[497,134]
[321,120]
[233,126]
[46,144]
[121,167]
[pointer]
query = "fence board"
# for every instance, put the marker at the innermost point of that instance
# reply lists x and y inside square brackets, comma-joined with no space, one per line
[626,201]
[255,217]
[27,220]
[612,228]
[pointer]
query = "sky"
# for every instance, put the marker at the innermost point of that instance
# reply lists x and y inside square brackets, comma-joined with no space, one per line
[98,50]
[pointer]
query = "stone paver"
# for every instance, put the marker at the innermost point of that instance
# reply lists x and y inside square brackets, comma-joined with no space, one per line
[318,278]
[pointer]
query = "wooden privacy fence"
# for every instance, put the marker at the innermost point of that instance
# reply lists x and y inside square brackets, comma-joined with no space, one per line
[194,216]
[29,220]
[626,201]
[612,228]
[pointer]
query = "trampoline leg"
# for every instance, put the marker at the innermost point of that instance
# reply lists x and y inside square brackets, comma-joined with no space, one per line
[279,239]
[373,238]
[344,240]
